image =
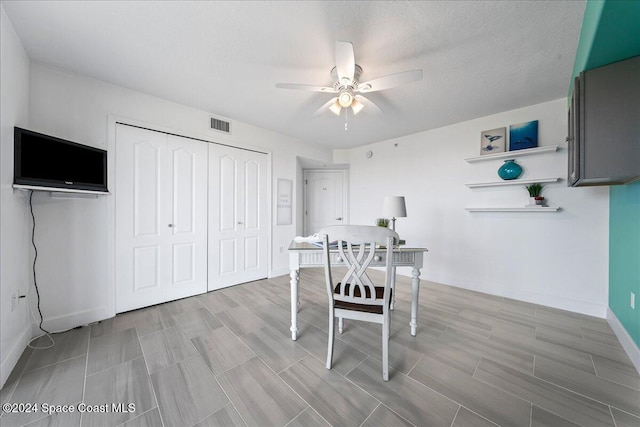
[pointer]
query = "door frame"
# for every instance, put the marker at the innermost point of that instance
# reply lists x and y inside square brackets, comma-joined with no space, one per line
[345,193]
[112,121]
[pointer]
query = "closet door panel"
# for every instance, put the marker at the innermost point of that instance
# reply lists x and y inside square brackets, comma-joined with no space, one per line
[224,205]
[184,186]
[141,270]
[146,177]
[252,195]
[251,253]
[161,217]
[184,263]
[255,212]
[238,250]
[228,191]
[227,257]
[145,267]
[188,231]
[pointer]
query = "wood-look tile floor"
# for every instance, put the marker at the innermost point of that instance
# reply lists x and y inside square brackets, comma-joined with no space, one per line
[226,358]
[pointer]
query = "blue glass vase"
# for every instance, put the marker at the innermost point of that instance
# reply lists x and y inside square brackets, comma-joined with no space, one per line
[510,170]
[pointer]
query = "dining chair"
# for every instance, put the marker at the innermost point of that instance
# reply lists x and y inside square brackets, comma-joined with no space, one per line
[356,296]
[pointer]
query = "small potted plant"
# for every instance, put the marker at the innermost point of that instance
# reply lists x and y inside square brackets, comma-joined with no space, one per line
[382,222]
[534,194]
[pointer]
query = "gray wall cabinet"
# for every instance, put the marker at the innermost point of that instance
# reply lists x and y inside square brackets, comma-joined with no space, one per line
[604,125]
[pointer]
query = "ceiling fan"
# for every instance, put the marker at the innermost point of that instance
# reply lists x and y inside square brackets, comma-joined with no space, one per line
[347,85]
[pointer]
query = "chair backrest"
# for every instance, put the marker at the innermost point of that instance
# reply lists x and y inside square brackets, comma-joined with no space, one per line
[355,245]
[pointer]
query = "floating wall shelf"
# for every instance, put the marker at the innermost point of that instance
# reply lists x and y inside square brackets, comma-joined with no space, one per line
[510,182]
[523,209]
[58,190]
[513,154]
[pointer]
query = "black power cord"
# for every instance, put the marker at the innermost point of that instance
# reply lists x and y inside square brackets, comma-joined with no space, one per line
[35,258]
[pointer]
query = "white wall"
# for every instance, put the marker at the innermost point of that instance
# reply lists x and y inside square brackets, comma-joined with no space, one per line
[14,216]
[75,237]
[556,259]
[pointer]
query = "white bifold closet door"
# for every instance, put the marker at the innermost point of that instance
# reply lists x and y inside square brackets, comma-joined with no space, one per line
[161,217]
[238,214]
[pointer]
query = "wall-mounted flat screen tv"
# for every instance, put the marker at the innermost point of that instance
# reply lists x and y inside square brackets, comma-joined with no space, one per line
[45,161]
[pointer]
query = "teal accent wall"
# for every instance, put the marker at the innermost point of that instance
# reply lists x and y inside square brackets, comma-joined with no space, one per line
[610,33]
[618,33]
[624,255]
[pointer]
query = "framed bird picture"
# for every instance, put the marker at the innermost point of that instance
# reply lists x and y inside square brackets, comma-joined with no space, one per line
[493,141]
[523,135]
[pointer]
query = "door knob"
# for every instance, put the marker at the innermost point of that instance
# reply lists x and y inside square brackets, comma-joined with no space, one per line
[170,225]
[339,219]
[239,222]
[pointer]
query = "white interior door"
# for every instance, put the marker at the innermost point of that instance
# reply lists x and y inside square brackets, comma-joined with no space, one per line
[238,234]
[161,217]
[325,199]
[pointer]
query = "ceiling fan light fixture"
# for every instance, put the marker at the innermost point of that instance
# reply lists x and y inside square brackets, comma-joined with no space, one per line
[345,98]
[335,108]
[356,106]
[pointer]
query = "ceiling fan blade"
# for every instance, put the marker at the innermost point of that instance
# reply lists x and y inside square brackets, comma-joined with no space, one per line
[309,88]
[392,80]
[345,62]
[325,107]
[369,106]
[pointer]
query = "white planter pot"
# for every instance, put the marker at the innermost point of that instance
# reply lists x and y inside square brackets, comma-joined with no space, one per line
[533,201]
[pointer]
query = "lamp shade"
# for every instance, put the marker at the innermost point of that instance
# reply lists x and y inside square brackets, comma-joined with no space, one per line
[356,106]
[336,108]
[394,207]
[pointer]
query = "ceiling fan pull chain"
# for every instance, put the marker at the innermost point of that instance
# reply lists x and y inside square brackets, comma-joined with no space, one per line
[346,112]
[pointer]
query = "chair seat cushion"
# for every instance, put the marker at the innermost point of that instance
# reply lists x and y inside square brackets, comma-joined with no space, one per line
[377,309]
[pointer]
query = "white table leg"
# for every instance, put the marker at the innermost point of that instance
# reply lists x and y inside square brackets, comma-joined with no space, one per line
[295,279]
[415,289]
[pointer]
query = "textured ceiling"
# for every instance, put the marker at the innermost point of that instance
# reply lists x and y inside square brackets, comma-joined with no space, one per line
[478,57]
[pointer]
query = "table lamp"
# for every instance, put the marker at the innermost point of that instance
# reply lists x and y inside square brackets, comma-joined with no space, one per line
[394,207]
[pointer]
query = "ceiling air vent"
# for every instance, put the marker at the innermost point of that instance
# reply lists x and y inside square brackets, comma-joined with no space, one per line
[220,125]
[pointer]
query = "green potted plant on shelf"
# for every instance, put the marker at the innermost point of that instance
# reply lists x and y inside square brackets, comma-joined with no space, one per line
[382,222]
[534,190]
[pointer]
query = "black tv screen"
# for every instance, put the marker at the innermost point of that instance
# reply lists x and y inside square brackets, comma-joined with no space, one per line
[45,161]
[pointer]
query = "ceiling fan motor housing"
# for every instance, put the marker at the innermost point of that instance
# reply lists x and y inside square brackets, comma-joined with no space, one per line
[346,87]
[352,84]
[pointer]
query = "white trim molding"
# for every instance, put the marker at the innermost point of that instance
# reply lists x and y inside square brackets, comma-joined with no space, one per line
[11,360]
[627,342]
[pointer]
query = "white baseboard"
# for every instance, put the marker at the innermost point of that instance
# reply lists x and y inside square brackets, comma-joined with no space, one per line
[627,342]
[279,272]
[568,304]
[72,320]
[10,361]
